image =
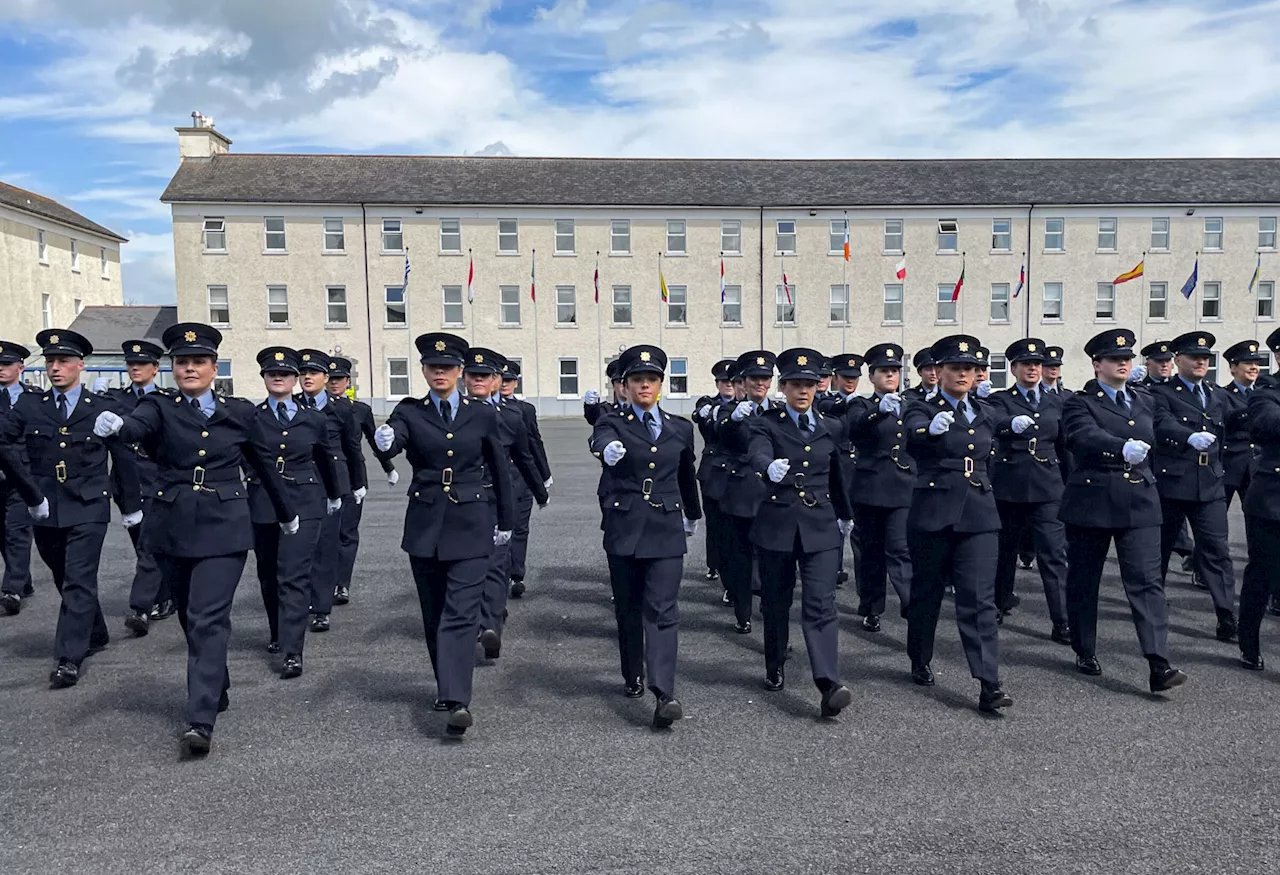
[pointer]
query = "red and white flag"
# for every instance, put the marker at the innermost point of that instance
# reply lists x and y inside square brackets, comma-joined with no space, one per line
[471,276]
[533,278]
[786,286]
[901,270]
[595,279]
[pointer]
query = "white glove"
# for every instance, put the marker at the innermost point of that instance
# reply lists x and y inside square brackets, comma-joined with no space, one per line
[1138,372]
[846,526]
[550,482]
[591,397]
[1021,423]
[778,469]
[613,453]
[383,437]
[1202,440]
[891,403]
[500,538]
[690,528]
[99,385]
[704,412]
[332,505]
[942,422]
[984,388]
[393,477]
[359,495]
[107,424]
[291,527]
[743,410]
[1135,451]
[131,519]
[40,511]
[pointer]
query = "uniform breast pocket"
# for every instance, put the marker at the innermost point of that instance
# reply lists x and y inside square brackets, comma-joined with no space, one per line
[468,495]
[231,492]
[620,503]
[91,490]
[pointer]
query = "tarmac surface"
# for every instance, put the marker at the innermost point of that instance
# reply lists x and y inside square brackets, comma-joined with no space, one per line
[345,769]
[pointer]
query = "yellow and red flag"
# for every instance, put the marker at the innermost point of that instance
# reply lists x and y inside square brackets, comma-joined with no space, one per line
[1130,275]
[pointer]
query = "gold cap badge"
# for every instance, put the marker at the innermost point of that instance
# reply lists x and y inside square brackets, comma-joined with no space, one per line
[644,356]
[479,358]
[1031,347]
[279,356]
[893,354]
[802,360]
[333,366]
[306,357]
[439,346]
[1120,340]
[53,338]
[137,348]
[978,354]
[189,337]
[1253,347]
[759,359]
[1200,342]
[964,346]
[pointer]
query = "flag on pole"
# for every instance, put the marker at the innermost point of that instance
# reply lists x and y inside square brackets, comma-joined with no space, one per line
[471,277]
[1257,271]
[721,279]
[1130,275]
[407,268]
[662,283]
[533,278]
[786,286]
[846,238]
[955,293]
[901,270]
[1189,287]
[595,279]
[1022,280]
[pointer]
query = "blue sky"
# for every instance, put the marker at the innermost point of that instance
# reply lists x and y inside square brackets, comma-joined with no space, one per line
[91,96]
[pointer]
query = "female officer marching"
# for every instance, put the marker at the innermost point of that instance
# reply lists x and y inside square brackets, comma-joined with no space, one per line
[461,487]
[200,531]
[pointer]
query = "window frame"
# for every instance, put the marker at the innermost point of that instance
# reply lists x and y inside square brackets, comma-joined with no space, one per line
[75,255]
[832,303]
[341,233]
[226,304]
[726,234]
[736,290]
[519,362]
[998,371]
[1221,233]
[1061,234]
[1045,299]
[407,376]
[106,265]
[1263,246]
[1163,301]
[224,383]
[272,305]
[614,305]
[672,303]
[329,304]
[205,231]
[572,234]
[1167,232]
[387,311]
[445,304]
[887,235]
[398,232]
[835,238]
[267,233]
[886,303]
[780,303]
[573,292]
[503,321]
[515,248]
[1114,234]
[46,310]
[672,376]
[943,224]
[992,318]
[947,289]
[615,234]
[780,235]
[457,232]
[682,237]
[1098,300]
[1216,299]
[42,247]
[1007,234]
[1270,299]
[561,376]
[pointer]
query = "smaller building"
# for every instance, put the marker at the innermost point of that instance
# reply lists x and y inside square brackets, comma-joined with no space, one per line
[107,328]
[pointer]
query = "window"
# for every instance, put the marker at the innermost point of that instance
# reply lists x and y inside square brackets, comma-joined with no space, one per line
[75,256]
[1211,301]
[1001,235]
[397,313]
[1105,302]
[1212,375]
[46,311]
[519,390]
[1213,233]
[509,305]
[1053,235]
[397,377]
[622,305]
[336,305]
[392,237]
[946,306]
[678,376]
[620,237]
[786,236]
[1107,235]
[335,239]
[1158,301]
[839,303]
[893,235]
[451,301]
[785,309]
[223,382]
[42,247]
[78,303]
[835,237]
[731,306]
[1052,302]
[998,371]
[215,235]
[450,235]
[948,235]
[731,236]
[1266,301]
[1266,233]
[277,305]
[677,305]
[564,237]
[103,255]
[893,303]
[1160,235]
[508,236]
[999,302]
[676,240]
[219,306]
[273,233]
[568,378]
[566,306]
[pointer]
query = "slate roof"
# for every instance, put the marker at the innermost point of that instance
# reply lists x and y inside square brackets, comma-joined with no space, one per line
[109,327]
[30,202]
[427,180]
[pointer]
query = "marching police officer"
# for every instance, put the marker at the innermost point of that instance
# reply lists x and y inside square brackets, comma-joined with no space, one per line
[846,370]
[712,469]
[1190,425]
[15,521]
[524,503]
[200,531]
[1111,496]
[953,522]
[296,438]
[927,368]
[1261,515]
[885,481]
[593,407]
[653,507]
[460,509]
[1239,455]
[1051,370]
[1157,365]
[69,465]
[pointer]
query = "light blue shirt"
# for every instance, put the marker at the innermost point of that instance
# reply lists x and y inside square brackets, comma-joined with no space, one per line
[146,389]
[72,395]
[1193,387]
[15,392]
[1056,387]
[321,400]
[1244,389]
[290,406]
[1026,393]
[657,418]
[955,403]
[1111,393]
[795,416]
[454,400]
[207,402]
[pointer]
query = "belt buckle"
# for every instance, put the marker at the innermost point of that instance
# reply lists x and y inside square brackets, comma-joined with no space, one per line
[280,464]
[60,472]
[197,476]
[1031,446]
[968,466]
[1204,460]
[647,488]
[446,477]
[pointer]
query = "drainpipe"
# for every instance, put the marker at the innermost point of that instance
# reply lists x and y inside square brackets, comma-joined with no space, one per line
[368,311]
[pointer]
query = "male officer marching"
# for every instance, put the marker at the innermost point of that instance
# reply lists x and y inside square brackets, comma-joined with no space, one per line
[712,469]
[524,504]
[592,405]
[15,521]
[1111,497]
[846,371]
[1051,370]
[1261,516]
[1157,365]
[1239,455]
[927,368]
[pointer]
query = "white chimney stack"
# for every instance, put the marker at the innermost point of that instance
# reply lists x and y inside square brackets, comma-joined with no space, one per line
[200,140]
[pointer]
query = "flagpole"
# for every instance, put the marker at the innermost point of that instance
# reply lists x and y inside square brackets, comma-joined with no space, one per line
[786,290]
[902,323]
[848,297]
[537,353]
[960,291]
[1142,303]
[599,330]
[661,303]
[1026,302]
[470,304]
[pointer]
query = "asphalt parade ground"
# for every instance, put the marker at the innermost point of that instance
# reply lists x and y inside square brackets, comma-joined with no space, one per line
[346,769]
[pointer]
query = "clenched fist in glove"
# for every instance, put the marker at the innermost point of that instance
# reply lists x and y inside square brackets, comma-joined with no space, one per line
[690,528]
[743,410]
[107,424]
[1138,372]
[1135,451]
[1201,440]
[891,404]
[591,397]
[99,385]
[383,437]
[500,538]
[941,423]
[130,520]
[778,469]
[291,527]
[1021,423]
[704,412]
[984,388]
[359,495]
[332,505]
[613,453]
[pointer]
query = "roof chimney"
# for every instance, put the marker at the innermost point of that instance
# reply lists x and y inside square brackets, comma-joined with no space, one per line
[201,140]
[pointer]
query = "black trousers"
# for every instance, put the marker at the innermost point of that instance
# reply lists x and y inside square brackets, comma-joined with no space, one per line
[966,561]
[325,560]
[1244,487]
[204,589]
[450,595]
[714,521]
[149,587]
[737,558]
[16,546]
[1049,537]
[1261,580]
[520,534]
[497,586]
[284,579]
[1138,551]
[646,605]
[1208,520]
[348,539]
[818,617]
[883,555]
[72,555]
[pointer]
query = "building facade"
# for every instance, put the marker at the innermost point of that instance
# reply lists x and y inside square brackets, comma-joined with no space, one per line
[559,263]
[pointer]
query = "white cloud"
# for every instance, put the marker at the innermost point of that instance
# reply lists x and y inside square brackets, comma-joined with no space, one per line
[147,272]
[564,14]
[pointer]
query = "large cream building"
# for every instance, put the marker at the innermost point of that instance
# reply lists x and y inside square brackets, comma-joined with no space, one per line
[53,263]
[311,250]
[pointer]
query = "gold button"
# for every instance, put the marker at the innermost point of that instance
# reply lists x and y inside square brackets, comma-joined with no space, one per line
[653,449]
[195,488]
[449,435]
[446,489]
[202,452]
[62,444]
[899,434]
[971,446]
[450,453]
[1131,422]
[615,504]
[971,431]
[806,449]
[204,434]
[284,434]
[415,495]
[804,464]
[1036,415]
[930,484]
[899,422]
[282,446]
[774,497]
[802,495]
[161,493]
[653,465]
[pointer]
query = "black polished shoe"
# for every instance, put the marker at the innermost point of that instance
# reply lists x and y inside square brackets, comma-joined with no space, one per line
[341,595]
[711,574]
[1026,560]
[1088,665]
[835,700]
[841,579]
[1197,581]
[28,591]
[666,712]
[992,698]
[196,741]
[742,628]
[460,720]
[635,688]
[1166,679]
[319,622]
[224,702]
[517,589]
[164,610]
[1061,634]
[871,622]
[64,674]
[11,603]
[1253,663]
[999,618]
[138,622]
[439,705]
[1273,607]
[273,647]
[725,598]
[1227,628]
[922,675]
[492,644]
[775,680]
[292,666]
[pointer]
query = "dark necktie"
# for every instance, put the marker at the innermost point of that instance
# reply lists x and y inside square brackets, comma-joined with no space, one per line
[1122,401]
[1200,395]
[446,412]
[195,405]
[62,406]
[803,421]
[311,402]
[142,393]
[6,400]
[1034,398]
[963,408]
[651,423]
[282,412]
